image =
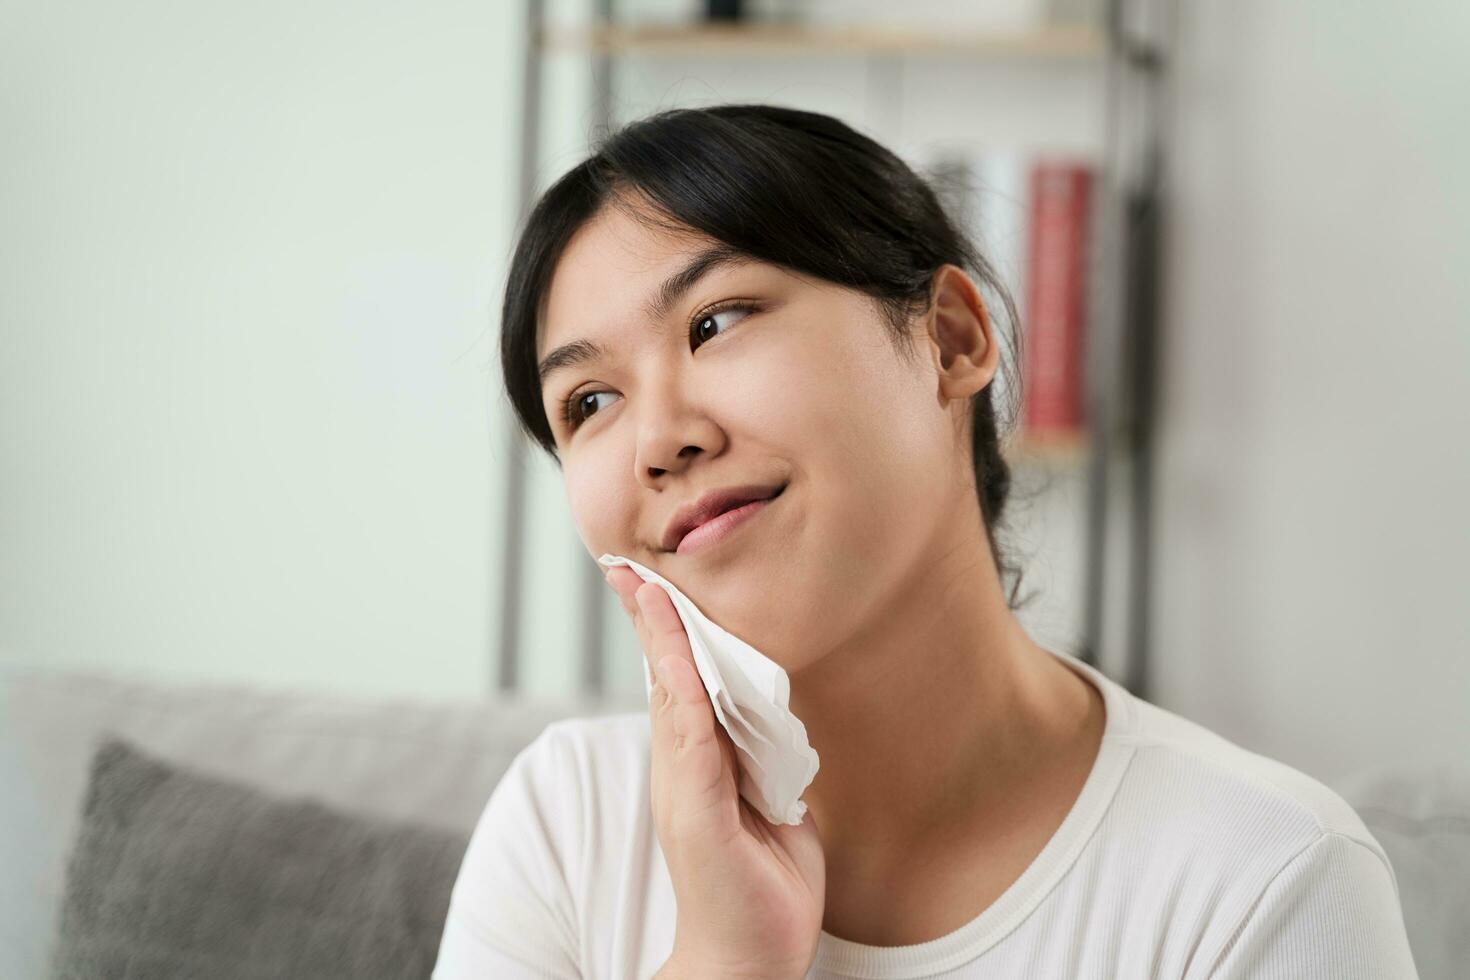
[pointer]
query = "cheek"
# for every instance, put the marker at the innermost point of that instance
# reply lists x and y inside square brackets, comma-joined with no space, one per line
[797,393]
[835,405]
[601,508]
[873,439]
[844,423]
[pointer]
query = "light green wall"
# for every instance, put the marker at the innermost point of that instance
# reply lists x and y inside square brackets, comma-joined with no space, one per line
[248,281]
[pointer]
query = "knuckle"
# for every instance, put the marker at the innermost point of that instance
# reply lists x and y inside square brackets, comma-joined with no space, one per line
[691,725]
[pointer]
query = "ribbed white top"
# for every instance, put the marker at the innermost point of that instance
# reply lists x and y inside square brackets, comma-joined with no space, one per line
[1184,856]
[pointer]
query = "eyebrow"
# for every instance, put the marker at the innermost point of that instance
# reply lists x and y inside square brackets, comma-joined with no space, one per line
[673,289]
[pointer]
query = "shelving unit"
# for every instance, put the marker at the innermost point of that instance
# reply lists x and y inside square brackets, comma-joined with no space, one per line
[1115,449]
[783,40]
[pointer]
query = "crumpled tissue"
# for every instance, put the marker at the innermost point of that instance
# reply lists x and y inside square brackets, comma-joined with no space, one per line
[750,693]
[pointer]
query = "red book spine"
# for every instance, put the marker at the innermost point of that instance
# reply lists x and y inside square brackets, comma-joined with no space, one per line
[1052,377]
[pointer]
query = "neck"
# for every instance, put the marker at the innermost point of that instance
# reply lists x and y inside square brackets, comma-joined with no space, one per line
[937,713]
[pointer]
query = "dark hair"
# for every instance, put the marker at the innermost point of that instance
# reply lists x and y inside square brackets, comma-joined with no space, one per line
[798,189]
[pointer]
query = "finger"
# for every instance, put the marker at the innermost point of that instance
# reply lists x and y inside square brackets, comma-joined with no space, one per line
[660,637]
[661,747]
[703,801]
[650,592]
[701,784]
[665,628]
[625,582]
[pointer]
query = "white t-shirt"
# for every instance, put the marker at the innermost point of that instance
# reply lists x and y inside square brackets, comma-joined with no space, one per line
[1184,857]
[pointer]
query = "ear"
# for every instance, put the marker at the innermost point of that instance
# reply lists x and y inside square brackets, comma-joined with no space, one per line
[961,338]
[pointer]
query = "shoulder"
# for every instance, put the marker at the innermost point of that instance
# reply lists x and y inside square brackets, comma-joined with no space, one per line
[1181,789]
[598,749]
[617,732]
[1268,856]
[1232,789]
[587,772]
[1197,805]
[514,909]
[1332,908]
[561,778]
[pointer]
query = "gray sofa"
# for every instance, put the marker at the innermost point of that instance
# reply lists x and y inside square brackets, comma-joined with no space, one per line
[395,777]
[355,787]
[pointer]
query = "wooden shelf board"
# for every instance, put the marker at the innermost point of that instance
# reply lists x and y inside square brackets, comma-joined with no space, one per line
[1063,42]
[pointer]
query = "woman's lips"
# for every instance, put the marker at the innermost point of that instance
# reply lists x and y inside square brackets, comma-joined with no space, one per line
[719,528]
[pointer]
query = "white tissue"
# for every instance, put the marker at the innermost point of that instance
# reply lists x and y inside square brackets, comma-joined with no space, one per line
[750,693]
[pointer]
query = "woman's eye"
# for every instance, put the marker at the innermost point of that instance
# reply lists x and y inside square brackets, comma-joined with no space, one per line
[574,410]
[703,326]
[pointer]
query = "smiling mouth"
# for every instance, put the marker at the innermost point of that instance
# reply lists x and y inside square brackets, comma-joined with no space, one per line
[719,527]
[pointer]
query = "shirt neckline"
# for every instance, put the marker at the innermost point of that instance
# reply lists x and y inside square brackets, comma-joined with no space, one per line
[851,959]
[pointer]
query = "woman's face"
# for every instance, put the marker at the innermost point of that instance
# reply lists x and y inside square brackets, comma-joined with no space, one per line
[803,387]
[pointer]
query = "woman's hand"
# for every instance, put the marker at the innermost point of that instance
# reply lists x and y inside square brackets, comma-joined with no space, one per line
[750,893]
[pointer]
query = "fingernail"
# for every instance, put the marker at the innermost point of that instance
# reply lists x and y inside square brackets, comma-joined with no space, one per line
[662,668]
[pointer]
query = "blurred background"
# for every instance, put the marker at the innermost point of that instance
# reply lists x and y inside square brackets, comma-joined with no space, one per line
[253,432]
[251,261]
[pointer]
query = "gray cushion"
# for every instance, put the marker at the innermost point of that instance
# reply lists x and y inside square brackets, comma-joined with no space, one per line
[180,874]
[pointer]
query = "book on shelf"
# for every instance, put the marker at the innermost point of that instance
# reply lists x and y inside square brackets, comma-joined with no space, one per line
[1029,216]
[1056,290]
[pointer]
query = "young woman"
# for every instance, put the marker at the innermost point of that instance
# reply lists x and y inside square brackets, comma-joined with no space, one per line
[761,300]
